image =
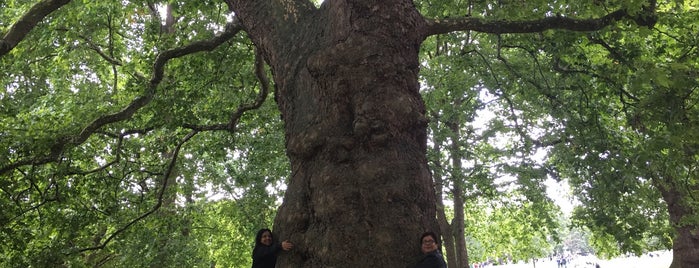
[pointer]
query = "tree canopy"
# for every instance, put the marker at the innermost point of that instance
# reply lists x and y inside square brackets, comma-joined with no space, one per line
[160,134]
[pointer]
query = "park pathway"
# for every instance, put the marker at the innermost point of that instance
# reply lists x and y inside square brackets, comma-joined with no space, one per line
[660,259]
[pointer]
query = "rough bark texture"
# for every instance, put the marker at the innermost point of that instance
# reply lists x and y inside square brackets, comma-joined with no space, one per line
[360,193]
[685,247]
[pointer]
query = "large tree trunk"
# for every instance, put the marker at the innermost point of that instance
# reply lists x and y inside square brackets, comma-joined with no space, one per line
[360,193]
[685,247]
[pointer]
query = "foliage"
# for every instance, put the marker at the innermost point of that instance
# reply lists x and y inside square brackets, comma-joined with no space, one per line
[129,156]
[614,110]
[496,166]
[642,112]
[508,231]
[137,192]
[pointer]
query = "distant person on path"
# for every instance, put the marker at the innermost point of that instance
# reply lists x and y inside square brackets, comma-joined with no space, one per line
[431,257]
[264,255]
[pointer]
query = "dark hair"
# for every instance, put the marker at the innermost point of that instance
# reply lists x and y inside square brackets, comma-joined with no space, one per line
[432,234]
[258,237]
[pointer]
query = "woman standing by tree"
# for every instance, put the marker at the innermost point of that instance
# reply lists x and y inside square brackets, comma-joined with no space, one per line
[264,255]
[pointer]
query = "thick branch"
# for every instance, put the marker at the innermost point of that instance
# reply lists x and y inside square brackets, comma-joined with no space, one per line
[207,45]
[158,72]
[26,23]
[440,26]
[261,97]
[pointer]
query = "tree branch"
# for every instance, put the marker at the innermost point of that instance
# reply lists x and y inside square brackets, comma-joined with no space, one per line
[441,26]
[257,103]
[95,47]
[26,23]
[161,193]
[158,73]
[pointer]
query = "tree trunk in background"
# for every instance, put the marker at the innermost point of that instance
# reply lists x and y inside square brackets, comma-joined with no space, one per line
[458,226]
[360,193]
[453,234]
[447,237]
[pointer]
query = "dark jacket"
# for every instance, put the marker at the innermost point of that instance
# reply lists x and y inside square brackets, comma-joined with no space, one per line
[265,256]
[431,260]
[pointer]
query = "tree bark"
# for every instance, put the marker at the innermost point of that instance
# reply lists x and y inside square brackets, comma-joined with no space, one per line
[360,193]
[26,23]
[685,247]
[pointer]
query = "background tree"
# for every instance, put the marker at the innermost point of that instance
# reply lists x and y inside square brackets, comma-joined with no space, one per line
[475,159]
[622,106]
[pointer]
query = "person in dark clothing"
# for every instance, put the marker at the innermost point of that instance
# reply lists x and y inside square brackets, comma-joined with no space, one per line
[264,255]
[431,257]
